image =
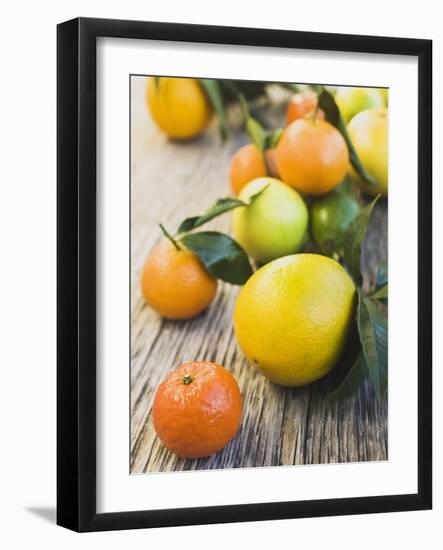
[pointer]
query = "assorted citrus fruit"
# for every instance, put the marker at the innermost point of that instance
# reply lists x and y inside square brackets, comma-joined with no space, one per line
[312,156]
[178,106]
[274,225]
[175,283]
[197,410]
[292,317]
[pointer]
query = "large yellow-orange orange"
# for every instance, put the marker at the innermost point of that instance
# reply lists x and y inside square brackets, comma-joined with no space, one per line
[197,410]
[312,156]
[175,283]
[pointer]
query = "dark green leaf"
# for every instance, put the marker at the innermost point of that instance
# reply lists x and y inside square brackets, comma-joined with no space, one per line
[381,293]
[326,102]
[354,238]
[352,381]
[221,255]
[220,207]
[254,129]
[215,96]
[373,331]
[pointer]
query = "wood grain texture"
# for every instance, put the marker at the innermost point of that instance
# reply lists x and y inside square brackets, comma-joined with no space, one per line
[280,426]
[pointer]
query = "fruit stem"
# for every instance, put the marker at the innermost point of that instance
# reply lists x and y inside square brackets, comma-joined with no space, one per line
[169,236]
[187,380]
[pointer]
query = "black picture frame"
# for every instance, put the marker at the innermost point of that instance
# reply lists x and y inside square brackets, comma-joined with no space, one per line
[76,267]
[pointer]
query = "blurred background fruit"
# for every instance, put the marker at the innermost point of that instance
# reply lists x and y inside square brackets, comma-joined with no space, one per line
[330,217]
[274,225]
[175,283]
[301,105]
[369,133]
[271,163]
[352,100]
[292,317]
[197,410]
[312,156]
[179,106]
[246,165]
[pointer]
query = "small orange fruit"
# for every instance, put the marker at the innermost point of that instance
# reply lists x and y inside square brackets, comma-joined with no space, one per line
[246,165]
[312,156]
[302,105]
[271,163]
[197,410]
[175,283]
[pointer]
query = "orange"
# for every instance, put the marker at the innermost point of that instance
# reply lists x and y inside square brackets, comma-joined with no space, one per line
[312,156]
[179,106]
[302,105]
[175,283]
[197,410]
[271,163]
[246,165]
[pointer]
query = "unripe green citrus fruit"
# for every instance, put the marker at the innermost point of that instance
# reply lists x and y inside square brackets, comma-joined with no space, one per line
[276,222]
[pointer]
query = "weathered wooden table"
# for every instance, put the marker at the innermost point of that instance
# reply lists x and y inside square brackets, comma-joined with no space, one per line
[280,426]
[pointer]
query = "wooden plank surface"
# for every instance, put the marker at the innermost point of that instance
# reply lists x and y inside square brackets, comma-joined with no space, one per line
[281,426]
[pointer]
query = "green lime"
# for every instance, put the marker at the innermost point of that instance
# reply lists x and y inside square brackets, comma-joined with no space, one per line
[331,216]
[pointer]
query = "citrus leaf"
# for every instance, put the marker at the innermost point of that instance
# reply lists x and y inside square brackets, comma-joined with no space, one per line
[273,137]
[256,133]
[353,240]
[221,255]
[254,129]
[326,102]
[352,381]
[381,293]
[220,207]
[373,332]
[213,91]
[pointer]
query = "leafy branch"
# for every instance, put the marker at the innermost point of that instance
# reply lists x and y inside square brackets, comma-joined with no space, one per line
[221,255]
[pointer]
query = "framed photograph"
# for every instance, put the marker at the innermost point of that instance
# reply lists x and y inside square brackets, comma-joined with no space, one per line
[233,206]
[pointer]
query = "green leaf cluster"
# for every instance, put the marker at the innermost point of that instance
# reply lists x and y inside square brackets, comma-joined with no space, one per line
[371,318]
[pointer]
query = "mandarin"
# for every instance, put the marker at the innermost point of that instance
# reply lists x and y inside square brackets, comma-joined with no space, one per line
[312,156]
[197,410]
[175,283]
[246,165]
